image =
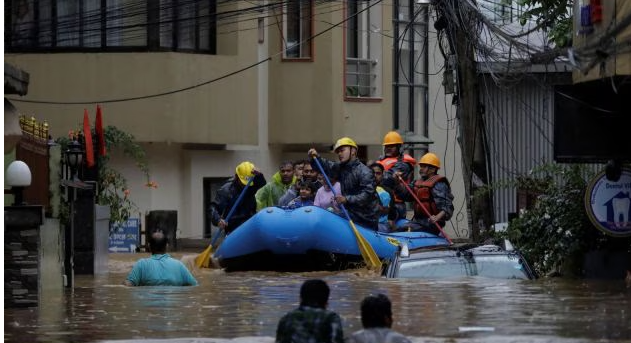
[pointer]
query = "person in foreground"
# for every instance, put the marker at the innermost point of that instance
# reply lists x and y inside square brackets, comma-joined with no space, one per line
[357,182]
[311,322]
[160,269]
[376,313]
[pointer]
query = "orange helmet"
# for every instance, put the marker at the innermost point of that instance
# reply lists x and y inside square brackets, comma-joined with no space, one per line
[392,138]
[430,159]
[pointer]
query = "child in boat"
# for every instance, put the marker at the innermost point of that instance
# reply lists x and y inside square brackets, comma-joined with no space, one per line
[325,197]
[357,182]
[307,192]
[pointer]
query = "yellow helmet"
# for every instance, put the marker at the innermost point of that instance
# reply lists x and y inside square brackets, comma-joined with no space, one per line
[344,141]
[430,159]
[392,138]
[244,171]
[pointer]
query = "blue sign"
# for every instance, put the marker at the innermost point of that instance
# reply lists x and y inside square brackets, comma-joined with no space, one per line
[608,204]
[125,237]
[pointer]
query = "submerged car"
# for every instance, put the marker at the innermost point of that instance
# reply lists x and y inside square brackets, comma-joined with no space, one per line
[455,261]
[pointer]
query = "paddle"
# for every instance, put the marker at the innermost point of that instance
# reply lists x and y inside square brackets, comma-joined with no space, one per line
[203,259]
[368,253]
[418,201]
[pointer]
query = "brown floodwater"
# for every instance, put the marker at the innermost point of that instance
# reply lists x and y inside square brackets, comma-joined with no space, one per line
[246,306]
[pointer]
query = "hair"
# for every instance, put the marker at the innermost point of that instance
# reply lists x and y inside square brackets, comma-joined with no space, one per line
[157,241]
[376,311]
[307,184]
[376,164]
[285,163]
[314,293]
[297,162]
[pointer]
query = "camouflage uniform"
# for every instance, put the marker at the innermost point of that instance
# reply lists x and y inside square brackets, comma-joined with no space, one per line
[310,325]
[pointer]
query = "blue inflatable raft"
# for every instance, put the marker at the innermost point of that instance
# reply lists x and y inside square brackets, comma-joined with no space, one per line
[307,239]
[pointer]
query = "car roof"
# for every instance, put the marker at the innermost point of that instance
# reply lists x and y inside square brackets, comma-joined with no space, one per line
[455,250]
[442,250]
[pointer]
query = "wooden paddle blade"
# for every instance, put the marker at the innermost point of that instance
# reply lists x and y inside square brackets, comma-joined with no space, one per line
[203,259]
[368,253]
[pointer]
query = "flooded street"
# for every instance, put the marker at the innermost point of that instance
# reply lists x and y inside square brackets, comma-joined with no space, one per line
[246,307]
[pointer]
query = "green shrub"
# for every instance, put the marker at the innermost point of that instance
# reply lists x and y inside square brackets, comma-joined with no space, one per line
[556,232]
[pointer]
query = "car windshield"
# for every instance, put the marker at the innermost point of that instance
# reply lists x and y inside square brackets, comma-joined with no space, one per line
[503,266]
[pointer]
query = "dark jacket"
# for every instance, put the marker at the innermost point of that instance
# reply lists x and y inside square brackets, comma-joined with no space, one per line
[402,166]
[357,183]
[226,197]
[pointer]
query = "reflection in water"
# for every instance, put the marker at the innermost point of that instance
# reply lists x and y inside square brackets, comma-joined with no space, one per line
[246,307]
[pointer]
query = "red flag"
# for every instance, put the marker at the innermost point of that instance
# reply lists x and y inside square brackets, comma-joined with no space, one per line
[87,134]
[99,131]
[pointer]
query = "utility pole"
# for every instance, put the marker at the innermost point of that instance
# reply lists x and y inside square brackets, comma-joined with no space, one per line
[470,115]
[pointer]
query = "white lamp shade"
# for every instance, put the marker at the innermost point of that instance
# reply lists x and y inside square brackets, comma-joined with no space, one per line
[18,174]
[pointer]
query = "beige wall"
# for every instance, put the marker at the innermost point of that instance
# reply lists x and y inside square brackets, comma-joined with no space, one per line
[613,12]
[219,112]
[293,102]
[308,96]
[179,174]
[208,114]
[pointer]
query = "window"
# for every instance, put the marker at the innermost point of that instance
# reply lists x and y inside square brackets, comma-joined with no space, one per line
[297,29]
[22,24]
[502,11]
[363,49]
[115,25]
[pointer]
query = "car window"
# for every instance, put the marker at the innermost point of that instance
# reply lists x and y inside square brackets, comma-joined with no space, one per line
[432,268]
[492,266]
[500,266]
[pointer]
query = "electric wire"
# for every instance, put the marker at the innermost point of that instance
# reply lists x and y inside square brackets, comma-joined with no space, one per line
[198,84]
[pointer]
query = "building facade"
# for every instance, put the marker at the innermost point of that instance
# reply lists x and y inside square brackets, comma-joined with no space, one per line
[204,85]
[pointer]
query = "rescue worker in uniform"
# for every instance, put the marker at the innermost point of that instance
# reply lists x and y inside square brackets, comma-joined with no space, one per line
[357,183]
[434,192]
[393,161]
[228,194]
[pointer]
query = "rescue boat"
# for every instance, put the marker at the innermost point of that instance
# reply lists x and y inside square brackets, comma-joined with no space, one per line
[308,238]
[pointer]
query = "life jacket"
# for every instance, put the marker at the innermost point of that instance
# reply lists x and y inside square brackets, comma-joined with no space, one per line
[423,191]
[389,162]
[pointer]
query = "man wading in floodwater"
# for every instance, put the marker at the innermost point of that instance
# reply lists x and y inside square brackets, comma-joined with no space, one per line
[160,269]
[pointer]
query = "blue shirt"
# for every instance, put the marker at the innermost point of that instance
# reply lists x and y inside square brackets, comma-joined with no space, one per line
[384,197]
[160,270]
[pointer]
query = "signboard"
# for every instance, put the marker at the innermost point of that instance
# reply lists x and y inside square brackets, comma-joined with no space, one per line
[125,237]
[608,204]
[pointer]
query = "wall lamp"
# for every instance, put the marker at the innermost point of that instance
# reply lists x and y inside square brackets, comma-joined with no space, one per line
[18,177]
